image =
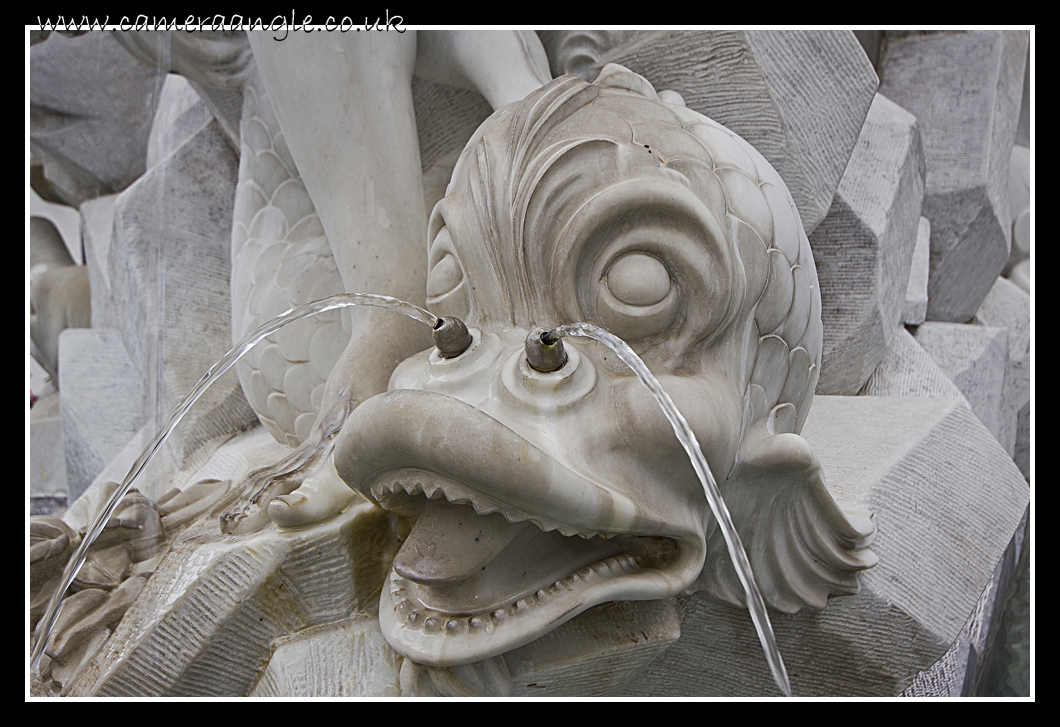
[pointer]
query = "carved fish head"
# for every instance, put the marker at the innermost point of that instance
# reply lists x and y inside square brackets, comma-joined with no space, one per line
[539,495]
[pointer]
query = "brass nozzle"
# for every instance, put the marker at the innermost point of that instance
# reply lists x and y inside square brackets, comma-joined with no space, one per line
[543,352]
[451,337]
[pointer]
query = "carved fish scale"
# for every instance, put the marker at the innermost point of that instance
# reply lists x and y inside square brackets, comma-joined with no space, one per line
[788,316]
[280,258]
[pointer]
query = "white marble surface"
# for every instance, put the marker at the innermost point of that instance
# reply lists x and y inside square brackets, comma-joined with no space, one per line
[682,239]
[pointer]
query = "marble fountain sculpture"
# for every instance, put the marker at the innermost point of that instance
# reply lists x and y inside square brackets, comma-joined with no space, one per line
[501,513]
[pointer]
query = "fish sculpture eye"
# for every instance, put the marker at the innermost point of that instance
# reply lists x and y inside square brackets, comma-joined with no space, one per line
[638,279]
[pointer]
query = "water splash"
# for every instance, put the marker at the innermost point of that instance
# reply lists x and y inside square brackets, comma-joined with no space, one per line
[345,300]
[755,604]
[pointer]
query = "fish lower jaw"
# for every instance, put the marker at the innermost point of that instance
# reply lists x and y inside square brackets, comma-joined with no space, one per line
[445,637]
[428,620]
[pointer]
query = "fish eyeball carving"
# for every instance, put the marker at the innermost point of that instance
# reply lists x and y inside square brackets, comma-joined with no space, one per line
[539,495]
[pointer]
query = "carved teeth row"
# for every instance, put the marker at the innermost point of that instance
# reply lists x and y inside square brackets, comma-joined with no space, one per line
[384,492]
[434,622]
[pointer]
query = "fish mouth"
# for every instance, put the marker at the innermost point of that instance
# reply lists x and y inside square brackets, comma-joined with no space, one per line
[507,542]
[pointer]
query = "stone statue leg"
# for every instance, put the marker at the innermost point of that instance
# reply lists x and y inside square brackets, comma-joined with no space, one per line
[345,106]
[503,65]
[350,127]
[346,111]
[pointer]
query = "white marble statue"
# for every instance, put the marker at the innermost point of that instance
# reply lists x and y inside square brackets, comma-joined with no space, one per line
[419,517]
[59,297]
[598,202]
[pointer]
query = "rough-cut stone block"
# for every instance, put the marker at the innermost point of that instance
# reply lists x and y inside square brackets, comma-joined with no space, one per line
[975,358]
[97,226]
[956,673]
[346,659]
[101,405]
[214,63]
[864,247]
[1007,306]
[180,114]
[916,293]
[226,104]
[47,463]
[593,655]
[908,370]
[206,622]
[91,105]
[800,98]
[1005,669]
[870,41]
[945,678]
[946,500]
[596,654]
[446,117]
[1023,128]
[169,271]
[964,89]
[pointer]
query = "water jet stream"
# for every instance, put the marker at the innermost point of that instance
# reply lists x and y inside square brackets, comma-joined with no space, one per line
[345,300]
[755,604]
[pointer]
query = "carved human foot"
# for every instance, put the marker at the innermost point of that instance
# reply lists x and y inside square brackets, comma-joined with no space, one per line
[320,496]
[250,512]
